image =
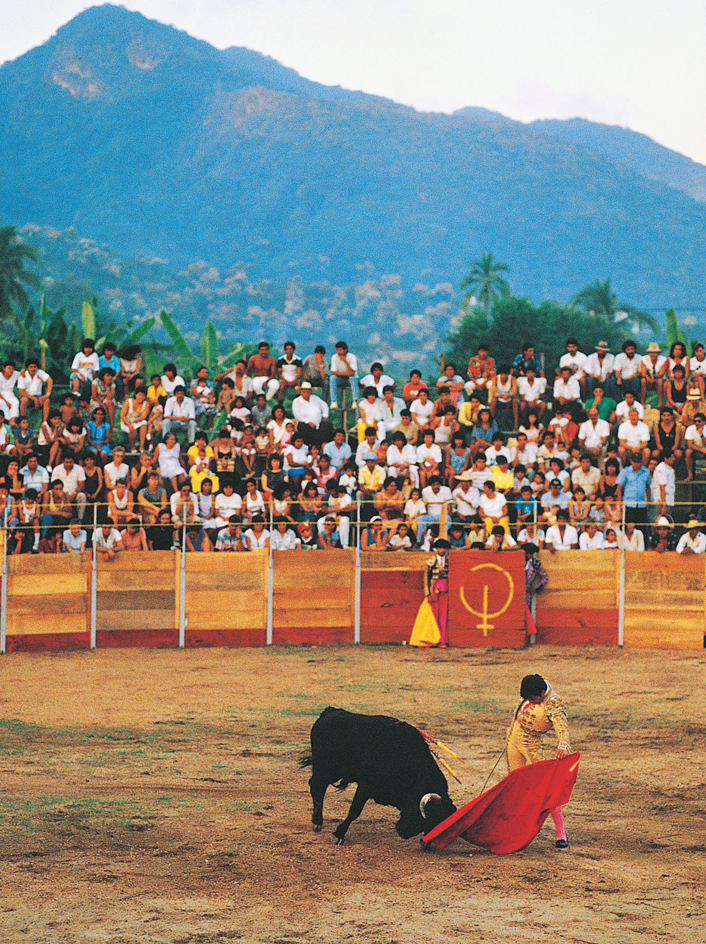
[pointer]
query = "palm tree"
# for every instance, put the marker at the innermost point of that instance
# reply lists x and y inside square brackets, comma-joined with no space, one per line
[600,300]
[13,257]
[485,282]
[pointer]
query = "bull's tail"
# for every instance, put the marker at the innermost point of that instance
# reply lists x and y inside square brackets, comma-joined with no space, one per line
[305,760]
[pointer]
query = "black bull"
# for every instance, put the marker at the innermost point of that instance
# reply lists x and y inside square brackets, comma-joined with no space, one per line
[389,760]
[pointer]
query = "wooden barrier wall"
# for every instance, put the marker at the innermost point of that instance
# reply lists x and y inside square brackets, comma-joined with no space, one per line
[313,596]
[579,606]
[664,601]
[391,589]
[138,599]
[48,602]
[226,599]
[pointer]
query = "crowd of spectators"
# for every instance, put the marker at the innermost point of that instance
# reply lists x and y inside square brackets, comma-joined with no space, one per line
[306,454]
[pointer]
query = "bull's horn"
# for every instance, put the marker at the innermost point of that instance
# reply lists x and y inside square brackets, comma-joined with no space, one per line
[428,798]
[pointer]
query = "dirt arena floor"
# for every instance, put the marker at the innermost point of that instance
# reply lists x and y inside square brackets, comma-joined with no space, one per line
[155,796]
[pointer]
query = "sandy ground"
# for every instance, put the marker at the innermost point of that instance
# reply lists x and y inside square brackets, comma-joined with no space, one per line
[155,796]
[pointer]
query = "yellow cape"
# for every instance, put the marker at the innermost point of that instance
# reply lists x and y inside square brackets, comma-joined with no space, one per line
[425,631]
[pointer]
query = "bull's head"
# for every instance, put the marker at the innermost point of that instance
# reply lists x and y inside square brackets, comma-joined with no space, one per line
[433,809]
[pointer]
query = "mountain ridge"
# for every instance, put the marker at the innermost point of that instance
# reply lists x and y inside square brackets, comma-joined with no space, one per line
[155,142]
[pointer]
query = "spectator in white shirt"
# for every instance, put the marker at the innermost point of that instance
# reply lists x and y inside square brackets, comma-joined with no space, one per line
[499,540]
[289,370]
[567,392]
[180,414]
[171,379]
[493,507]
[576,360]
[115,469]
[651,365]
[631,539]
[73,479]
[466,497]
[525,452]
[497,449]
[698,367]
[598,366]
[429,458]
[692,541]
[663,486]
[344,373]
[257,537]
[624,407]
[594,435]
[311,414]
[296,456]
[530,393]
[84,366]
[402,459]
[35,476]
[35,387]
[421,408]
[369,444]
[591,539]
[283,538]
[587,476]
[562,536]
[376,378]
[695,444]
[626,370]
[434,496]
[633,436]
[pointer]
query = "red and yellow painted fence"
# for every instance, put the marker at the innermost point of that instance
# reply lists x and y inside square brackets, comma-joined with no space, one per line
[593,598]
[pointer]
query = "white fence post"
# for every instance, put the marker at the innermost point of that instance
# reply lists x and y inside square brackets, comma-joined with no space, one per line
[3,604]
[94,576]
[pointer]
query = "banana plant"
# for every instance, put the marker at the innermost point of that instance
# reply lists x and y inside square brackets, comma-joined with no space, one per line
[88,320]
[674,332]
[209,348]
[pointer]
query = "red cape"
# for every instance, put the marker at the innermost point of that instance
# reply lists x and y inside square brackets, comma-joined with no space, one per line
[507,817]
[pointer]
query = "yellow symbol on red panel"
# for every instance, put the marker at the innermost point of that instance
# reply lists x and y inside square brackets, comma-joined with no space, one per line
[485,625]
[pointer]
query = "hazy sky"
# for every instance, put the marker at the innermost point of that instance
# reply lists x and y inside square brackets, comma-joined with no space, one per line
[636,63]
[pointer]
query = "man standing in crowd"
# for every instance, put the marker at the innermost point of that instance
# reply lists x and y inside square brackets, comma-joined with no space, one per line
[262,367]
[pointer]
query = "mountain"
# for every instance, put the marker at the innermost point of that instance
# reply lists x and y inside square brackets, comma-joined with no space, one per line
[158,144]
[633,150]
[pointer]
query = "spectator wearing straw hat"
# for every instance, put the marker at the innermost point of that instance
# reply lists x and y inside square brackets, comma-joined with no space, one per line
[311,414]
[663,538]
[651,365]
[693,541]
[598,366]
[466,498]
[693,405]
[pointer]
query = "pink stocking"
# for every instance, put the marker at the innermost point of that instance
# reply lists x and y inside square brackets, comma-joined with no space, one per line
[558,818]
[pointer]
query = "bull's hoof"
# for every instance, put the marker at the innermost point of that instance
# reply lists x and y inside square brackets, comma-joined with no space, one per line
[338,841]
[316,827]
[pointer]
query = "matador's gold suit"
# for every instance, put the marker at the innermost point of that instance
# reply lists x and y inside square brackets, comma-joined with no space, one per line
[524,737]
